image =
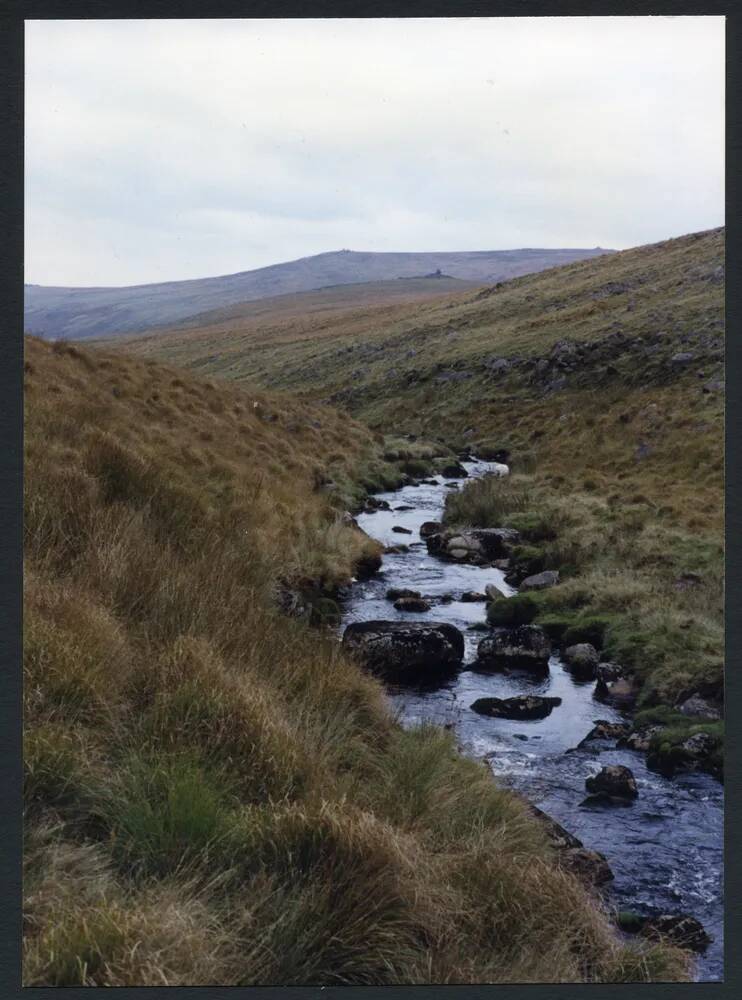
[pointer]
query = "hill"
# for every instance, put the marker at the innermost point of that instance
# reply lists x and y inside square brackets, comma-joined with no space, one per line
[604,381]
[214,792]
[78,313]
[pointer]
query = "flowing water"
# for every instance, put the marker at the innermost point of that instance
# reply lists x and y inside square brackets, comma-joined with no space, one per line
[665,849]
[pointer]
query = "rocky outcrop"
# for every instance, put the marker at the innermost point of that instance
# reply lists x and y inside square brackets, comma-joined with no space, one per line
[524,706]
[613,782]
[406,652]
[477,547]
[526,647]
[582,660]
[540,581]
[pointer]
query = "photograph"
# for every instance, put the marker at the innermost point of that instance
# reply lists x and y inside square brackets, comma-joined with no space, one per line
[373,501]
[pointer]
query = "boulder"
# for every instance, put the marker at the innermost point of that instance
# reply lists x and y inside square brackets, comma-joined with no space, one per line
[473,597]
[493,593]
[407,652]
[411,604]
[619,694]
[526,647]
[591,867]
[699,752]
[394,593]
[582,660]
[540,581]
[476,546]
[373,504]
[604,731]
[613,782]
[680,928]
[698,708]
[367,565]
[428,528]
[454,470]
[607,671]
[523,706]
[640,739]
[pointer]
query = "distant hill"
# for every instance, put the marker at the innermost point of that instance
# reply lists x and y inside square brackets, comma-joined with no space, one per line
[80,313]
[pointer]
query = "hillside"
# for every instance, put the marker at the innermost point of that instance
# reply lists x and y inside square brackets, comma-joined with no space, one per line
[215,792]
[604,381]
[78,313]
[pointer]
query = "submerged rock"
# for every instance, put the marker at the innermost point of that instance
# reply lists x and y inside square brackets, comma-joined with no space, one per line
[399,530]
[411,604]
[473,597]
[524,706]
[527,646]
[407,652]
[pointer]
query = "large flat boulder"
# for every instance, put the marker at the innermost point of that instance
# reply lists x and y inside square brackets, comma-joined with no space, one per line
[522,706]
[407,652]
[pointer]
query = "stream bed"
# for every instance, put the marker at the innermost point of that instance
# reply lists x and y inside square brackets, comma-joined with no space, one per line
[665,849]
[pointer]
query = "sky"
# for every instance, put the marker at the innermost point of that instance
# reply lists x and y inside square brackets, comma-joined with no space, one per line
[167,149]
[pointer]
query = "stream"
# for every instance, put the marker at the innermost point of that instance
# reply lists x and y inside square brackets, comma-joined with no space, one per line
[665,849]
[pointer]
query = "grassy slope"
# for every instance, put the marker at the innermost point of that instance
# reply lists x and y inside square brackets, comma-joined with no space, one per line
[626,455]
[214,792]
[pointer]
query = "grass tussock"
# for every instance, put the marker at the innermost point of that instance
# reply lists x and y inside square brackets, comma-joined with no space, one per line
[214,793]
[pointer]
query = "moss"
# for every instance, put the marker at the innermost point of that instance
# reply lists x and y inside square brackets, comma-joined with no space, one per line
[521,609]
[533,526]
[590,628]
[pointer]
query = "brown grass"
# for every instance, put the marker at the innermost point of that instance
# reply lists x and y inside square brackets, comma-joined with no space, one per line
[214,793]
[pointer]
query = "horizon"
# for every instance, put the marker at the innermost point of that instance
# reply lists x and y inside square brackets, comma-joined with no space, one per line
[286,135]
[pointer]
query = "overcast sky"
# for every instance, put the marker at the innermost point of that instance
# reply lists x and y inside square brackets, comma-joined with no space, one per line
[158,150]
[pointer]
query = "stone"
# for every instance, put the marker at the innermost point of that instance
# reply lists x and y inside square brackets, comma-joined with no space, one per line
[407,652]
[591,867]
[399,530]
[367,565]
[604,731]
[698,708]
[640,739]
[681,359]
[428,528]
[472,597]
[493,593]
[581,660]
[524,706]
[613,782]
[476,546]
[454,470]
[411,604]
[526,647]
[394,593]
[680,928]
[540,581]
[607,671]
[620,693]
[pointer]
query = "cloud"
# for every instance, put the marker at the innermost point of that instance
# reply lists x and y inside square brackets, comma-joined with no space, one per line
[174,149]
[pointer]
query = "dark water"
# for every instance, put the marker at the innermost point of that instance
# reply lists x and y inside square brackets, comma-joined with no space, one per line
[665,849]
